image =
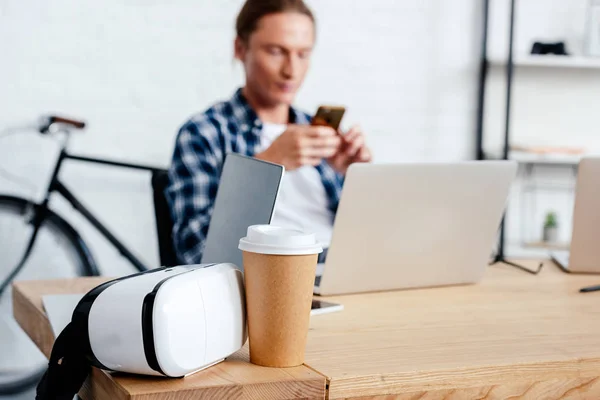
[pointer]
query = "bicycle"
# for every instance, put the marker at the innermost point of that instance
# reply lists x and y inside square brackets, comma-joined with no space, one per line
[28,225]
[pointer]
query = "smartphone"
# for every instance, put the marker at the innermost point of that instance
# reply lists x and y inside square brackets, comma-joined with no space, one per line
[323,307]
[329,116]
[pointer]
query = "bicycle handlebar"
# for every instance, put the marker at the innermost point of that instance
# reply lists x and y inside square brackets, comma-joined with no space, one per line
[73,122]
[54,119]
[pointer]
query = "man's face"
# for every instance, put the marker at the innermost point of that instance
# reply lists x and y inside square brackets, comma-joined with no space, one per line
[277,56]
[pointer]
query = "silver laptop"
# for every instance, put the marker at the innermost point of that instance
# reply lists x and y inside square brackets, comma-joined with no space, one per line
[248,189]
[415,225]
[584,254]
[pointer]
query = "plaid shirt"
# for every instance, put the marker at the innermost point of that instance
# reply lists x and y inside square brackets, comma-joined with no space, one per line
[200,149]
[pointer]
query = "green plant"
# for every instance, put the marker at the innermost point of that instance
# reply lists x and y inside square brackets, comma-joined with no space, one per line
[551,220]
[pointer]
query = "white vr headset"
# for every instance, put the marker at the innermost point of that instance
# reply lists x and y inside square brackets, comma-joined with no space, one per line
[166,322]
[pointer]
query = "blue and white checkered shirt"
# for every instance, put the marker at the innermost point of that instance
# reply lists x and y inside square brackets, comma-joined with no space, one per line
[200,149]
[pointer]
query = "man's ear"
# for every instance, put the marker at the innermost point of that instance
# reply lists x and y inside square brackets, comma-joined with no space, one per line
[239,49]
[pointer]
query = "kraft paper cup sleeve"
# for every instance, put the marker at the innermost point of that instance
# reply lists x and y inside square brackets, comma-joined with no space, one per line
[279,291]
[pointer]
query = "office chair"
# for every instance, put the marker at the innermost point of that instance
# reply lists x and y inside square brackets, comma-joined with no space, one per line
[164,223]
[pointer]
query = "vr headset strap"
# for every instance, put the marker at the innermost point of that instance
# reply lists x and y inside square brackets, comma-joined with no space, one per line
[67,369]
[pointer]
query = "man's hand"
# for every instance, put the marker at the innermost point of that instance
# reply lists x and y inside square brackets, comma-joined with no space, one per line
[302,145]
[353,149]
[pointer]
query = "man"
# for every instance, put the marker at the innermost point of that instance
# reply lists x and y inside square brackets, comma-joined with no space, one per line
[274,43]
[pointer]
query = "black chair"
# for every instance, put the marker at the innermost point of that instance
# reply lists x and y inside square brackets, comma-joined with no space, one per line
[164,223]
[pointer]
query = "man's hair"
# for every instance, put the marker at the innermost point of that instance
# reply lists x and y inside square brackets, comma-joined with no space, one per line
[253,10]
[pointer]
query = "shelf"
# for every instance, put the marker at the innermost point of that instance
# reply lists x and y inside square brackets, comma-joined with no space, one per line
[525,157]
[550,61]
[545,158]
[549,246]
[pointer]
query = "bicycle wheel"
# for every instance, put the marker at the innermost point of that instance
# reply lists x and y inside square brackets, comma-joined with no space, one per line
[58,252]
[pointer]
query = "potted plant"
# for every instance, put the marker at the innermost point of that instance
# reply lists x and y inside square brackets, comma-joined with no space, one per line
[550,228]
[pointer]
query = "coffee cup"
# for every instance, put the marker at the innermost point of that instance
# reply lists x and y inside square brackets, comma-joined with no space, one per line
[279,274]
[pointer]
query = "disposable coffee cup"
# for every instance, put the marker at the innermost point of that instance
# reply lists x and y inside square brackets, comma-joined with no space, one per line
[279,275]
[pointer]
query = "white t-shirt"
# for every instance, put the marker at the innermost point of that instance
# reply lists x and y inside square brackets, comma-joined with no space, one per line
[302,202]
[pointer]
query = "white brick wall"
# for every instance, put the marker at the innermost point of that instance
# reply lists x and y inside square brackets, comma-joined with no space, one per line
[135,70]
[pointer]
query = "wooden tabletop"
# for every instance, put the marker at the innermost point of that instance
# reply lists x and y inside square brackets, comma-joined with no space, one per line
[514,335]
[234,378]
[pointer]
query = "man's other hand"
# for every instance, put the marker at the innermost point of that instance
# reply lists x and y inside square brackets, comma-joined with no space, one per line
[353,149]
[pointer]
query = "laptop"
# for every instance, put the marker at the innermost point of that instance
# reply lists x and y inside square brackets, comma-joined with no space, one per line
[584,254]
[401,226]
[248,189]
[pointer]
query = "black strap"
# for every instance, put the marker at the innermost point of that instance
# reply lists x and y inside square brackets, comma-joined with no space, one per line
[67,370]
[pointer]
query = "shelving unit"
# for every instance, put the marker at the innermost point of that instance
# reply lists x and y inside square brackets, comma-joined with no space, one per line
[520,61]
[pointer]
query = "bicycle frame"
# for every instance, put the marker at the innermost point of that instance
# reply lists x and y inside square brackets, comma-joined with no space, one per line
[56,185]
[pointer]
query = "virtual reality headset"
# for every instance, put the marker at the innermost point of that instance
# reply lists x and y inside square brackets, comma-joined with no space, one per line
[166,322]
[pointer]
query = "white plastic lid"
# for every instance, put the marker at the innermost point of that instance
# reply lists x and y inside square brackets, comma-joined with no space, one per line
[269,239]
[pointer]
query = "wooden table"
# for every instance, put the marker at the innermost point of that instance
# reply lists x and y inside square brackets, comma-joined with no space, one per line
[514,336]
[235,378]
